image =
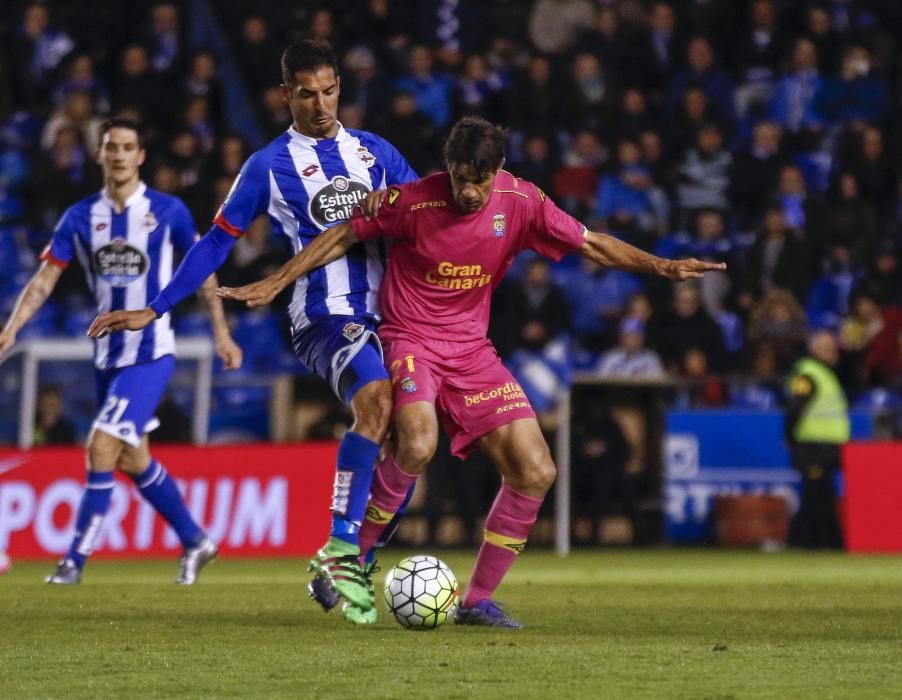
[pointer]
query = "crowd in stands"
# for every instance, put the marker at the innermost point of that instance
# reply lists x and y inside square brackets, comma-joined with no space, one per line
[763,133]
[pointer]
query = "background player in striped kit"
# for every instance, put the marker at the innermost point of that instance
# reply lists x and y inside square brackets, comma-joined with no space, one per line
[125,238]
[307,180]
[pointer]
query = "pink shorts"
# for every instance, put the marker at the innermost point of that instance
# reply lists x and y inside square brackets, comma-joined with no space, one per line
[473,392]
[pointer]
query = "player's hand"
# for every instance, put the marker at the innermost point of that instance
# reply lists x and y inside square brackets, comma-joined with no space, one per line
[257,294]
[371,203]
[229,352]
[7,340]
[115,321]
[679,270]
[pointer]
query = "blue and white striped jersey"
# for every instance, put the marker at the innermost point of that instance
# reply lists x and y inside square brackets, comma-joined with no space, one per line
[305,186]
[128,259]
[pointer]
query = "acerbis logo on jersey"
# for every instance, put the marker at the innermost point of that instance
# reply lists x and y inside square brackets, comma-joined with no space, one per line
[336,201]
[120,264]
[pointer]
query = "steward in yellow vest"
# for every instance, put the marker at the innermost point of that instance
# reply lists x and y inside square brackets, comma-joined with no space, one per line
[817,425]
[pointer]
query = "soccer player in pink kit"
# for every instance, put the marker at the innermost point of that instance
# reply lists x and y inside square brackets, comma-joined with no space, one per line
[455,236]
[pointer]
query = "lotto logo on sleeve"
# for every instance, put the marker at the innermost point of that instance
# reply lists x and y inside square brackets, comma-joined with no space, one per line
[509,392]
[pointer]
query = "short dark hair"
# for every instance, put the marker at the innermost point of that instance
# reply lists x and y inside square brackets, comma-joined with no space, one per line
[474,141]
[307,55]
[122,123]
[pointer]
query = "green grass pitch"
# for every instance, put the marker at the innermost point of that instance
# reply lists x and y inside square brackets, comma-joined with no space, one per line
[610,624]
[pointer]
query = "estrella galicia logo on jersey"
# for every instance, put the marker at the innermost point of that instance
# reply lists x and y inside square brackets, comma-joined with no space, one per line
[353,330]
[408,386]
[393,195]
[336,201]
[367,158]
[119,264]
[499,224]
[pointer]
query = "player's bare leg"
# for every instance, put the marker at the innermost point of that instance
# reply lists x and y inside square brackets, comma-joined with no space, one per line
[521,456]
[414,443]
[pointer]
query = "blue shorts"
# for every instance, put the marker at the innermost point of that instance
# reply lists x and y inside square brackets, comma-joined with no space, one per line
[343,350]
[128,397]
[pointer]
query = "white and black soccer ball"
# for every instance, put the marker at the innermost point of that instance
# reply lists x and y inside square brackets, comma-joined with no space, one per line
[421,592]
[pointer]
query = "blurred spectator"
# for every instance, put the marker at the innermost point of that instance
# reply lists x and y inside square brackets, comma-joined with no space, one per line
[76,111]
[701,71]
[602,486]
[799,210]
[203,82]
[604,39]
[431,91]
[850,221]
[537,165]
[590,100]
[361,84]
[654,54]
[628,201]
[257,54]
[754,172]
[631,358]
[545,312]
[36,51]
[413,133]
[884,275]
[686,326]
[585,150]
[137,87]
[80,77]
[635,116]
[827,41]
[756,58]
[276,116]
[857,94]
[478,90]
[165,40]
[536,100]
[555,24]
[62,175]
[777,327]
[703,175]
[778,259]
[883,362]
[872,168]
[793,99]
[597,297]
[695,112]
[51,427]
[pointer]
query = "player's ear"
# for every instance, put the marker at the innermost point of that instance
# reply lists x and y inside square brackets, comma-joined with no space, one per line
[142,156]
[337,84]
[286,93]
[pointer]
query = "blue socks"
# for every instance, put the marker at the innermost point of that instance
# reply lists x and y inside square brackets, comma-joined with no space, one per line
[356,458]
[161,492]
[95,502]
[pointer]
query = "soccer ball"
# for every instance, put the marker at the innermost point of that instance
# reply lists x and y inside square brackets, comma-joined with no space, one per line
[421,592]
[5,563]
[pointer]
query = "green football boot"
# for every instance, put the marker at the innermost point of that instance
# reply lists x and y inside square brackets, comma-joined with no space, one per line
[356,614]
[338,562]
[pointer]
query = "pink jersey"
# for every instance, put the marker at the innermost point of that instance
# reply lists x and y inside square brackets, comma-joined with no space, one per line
[444,265]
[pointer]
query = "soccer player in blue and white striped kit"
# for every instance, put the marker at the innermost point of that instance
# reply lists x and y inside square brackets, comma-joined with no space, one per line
[306,180]
[125,238]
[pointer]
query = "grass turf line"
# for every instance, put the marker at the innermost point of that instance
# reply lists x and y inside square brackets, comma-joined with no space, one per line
[676,624]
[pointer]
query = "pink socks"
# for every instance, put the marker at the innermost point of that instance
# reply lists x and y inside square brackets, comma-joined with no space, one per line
[390,487]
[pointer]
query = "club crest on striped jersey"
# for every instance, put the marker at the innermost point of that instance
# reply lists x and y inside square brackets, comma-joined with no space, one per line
[336,201]
[499,224]
[366,158]
[150,222]
[119,264]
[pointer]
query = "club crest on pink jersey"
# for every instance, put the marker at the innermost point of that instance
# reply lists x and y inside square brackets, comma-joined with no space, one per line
[408,386]
[499,224]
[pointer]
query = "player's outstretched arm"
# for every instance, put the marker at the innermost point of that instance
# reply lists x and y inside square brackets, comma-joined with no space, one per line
[226,348]
[31,299]
[325,248]
[610,252]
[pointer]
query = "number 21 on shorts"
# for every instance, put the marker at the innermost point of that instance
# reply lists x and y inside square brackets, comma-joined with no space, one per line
[395,368]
